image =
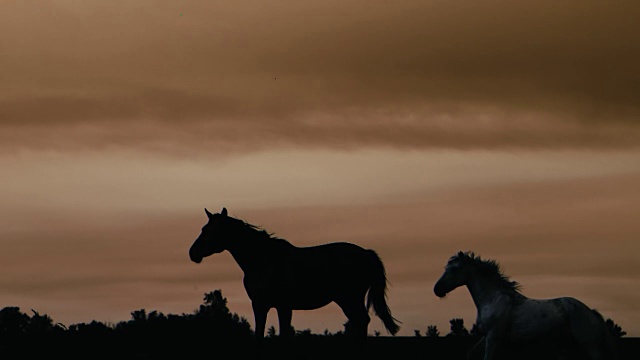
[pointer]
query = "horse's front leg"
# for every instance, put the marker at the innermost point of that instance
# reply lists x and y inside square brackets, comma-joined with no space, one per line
[490,346]
[260,314]
[477,347]
[284,319]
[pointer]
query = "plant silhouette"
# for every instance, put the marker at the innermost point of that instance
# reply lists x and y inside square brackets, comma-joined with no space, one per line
[615,329]
[432,331]
[458,328]
[280,275]
[152,334]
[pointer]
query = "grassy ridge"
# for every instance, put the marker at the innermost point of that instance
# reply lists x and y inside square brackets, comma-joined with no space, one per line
[303,348]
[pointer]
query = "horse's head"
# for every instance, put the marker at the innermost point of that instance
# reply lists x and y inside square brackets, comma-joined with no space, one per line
[213,239]
[456,273]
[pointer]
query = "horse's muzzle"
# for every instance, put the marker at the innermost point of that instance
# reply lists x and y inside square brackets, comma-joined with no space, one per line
[439,291]
[196,259]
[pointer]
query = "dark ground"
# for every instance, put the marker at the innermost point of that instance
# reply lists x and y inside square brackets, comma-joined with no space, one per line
[303,348]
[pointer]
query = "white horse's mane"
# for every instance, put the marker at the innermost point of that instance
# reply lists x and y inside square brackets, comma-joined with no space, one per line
[489,268]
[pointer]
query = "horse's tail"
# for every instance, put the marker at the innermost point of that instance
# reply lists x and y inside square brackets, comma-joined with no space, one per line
[377,295]
[609,342]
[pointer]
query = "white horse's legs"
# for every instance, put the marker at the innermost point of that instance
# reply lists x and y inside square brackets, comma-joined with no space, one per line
[478,347]
[491,345]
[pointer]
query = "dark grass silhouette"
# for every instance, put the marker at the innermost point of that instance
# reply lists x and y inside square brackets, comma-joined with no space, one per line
[511,322]
[212,331]
[280,275]
[23,336]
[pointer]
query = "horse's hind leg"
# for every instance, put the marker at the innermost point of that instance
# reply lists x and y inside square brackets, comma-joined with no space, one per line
[284,319]
[587,332]
[260,313]
[593,351]
[358,317]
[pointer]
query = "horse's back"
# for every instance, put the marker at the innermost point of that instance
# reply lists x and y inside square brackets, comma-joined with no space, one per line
[332,254]
[579,314]
[576,315]
[552,316]
[335,248]
[309,277]
[563,321]
[534,318]
[334,259]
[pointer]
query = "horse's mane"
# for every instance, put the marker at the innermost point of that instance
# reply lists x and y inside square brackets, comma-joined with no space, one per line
[258,233]
[492,269]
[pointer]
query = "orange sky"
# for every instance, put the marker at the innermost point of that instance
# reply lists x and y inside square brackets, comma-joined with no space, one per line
[417,128]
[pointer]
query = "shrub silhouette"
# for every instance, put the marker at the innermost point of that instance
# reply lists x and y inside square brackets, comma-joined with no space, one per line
[13,321]
[271,331]
[615,329]
[94,329]
[432,331]
[213,319]
[458,328]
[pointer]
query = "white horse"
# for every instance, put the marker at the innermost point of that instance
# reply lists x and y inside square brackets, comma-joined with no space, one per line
[506,316]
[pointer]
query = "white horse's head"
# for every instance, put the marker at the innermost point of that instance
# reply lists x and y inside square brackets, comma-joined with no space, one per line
[456,273]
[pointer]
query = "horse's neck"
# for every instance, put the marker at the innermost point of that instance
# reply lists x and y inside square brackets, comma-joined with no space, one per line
[484,290]
[243,259]
[244,251]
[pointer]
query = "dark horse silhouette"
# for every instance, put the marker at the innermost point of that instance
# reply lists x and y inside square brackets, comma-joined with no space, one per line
[280,275]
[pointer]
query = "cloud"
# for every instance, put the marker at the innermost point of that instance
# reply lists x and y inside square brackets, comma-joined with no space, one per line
[491,74]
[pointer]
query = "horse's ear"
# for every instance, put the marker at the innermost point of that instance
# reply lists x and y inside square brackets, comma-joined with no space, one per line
[223,212]
[209,215]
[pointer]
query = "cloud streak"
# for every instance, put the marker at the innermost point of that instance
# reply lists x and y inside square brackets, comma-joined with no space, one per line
[491,74]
